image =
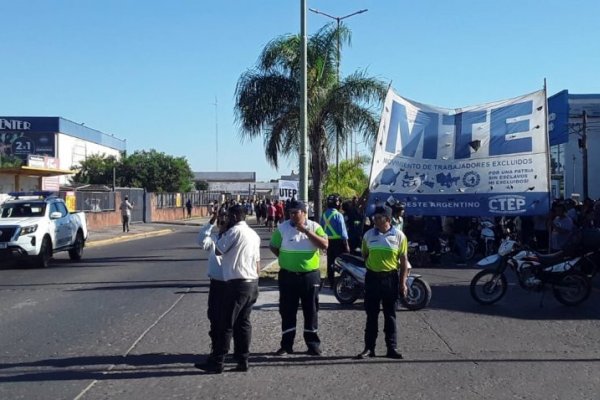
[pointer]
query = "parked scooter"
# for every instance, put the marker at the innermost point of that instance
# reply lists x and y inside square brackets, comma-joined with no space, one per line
[350,285]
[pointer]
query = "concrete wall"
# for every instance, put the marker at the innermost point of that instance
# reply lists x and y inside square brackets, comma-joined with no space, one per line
[102,219]
[171,214]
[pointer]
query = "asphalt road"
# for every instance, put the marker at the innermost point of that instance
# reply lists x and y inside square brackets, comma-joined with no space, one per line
[129,320]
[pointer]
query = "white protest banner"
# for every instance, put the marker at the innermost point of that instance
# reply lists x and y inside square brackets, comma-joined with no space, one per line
[485,160]
[288,190]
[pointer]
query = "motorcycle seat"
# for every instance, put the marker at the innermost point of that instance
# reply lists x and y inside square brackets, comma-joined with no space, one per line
[549,259]
[351,258]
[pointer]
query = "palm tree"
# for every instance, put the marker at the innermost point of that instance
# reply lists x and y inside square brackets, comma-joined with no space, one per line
[268,101]
[350,180]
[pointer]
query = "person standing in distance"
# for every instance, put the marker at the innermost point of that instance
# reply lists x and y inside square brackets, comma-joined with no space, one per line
[126,208]
[334,225]
[385,250]
[297,243]
[239,247]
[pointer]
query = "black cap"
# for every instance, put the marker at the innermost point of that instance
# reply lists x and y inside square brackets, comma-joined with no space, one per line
[383,210]
[296,205]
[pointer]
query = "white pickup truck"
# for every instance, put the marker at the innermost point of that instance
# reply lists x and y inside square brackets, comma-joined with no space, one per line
[37,225]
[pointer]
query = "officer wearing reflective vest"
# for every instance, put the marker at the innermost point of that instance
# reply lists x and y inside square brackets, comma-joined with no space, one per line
[297,243]
[334,225]
[385,250]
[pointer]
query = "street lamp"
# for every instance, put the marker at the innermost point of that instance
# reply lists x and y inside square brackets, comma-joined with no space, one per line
[338,20]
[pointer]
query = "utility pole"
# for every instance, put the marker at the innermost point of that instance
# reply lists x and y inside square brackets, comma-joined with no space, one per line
[216,104]
[303,108]
[338,132]
[584,155]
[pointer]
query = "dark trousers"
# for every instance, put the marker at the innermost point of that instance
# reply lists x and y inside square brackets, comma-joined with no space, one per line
[216,299]
[303,287]
[240,296]
[381,288]
[125,223]
[335,248]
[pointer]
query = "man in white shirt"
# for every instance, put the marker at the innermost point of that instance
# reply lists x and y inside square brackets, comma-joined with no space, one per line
[126,208]
[239,248]
[207,237]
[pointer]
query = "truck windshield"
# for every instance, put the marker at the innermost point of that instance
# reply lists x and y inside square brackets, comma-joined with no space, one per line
[19,210]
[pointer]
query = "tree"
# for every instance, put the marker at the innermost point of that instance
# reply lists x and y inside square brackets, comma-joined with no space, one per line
[201,185]
[268,101]
[157,172]
[96,169]
[353,180]
[152,170]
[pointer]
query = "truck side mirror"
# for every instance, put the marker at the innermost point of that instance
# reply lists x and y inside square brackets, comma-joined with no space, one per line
[55,215]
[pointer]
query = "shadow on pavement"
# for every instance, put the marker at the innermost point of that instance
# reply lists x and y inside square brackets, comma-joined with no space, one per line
[154,365]
[146,286]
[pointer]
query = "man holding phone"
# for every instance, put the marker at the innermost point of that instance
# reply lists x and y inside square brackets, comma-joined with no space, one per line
[297,243]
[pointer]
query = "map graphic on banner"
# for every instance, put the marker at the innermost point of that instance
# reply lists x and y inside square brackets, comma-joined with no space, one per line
[484,160]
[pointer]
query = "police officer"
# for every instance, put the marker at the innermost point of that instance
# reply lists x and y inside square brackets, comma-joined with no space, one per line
[297,243]
[385,250]
[334,225]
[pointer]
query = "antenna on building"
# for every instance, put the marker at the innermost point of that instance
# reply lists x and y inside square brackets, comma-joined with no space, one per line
[216,104]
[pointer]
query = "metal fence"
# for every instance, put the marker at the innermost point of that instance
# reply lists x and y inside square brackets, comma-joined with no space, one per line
[137,197]
[95,201]
[201,198]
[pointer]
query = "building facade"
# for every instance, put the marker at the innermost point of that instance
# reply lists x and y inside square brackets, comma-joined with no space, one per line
[574,125]
[38,153]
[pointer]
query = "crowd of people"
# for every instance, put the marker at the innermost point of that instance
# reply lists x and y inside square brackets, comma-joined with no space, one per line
[297,241]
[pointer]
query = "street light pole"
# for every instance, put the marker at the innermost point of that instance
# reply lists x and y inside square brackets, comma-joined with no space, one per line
[337,136]
[303,109]
[584,155]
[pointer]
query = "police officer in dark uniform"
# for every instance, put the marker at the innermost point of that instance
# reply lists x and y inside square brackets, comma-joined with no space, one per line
[334,225]
[385,250]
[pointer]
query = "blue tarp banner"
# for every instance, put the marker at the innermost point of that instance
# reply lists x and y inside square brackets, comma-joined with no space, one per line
[485,160]
[558,118]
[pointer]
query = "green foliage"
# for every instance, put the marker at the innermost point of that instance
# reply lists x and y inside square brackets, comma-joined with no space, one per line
[10,161]
[201,185]
[352,180]
[268,101]
[152,170]
[97,169]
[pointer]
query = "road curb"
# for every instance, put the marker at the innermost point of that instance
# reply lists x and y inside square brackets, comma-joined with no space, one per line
[127,238]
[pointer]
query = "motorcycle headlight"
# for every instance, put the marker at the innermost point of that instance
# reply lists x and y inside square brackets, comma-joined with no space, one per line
[28,229]
[506,247]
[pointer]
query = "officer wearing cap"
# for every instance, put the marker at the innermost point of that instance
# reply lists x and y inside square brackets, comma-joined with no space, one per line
[297,243]
[385,250]
[334,225]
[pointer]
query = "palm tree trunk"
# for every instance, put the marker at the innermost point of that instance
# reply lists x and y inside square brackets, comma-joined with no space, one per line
[318,170]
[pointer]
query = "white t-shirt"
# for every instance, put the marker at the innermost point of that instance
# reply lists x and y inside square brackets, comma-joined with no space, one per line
[207,239]
[240,248]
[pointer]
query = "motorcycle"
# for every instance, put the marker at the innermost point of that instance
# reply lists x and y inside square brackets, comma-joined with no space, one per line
[350,285]
[420,255]
[534,271]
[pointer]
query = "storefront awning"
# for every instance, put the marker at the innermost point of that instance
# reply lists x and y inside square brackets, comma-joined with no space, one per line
[35,171]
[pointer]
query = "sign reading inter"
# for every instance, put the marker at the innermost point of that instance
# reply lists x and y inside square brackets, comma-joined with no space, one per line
[24,136]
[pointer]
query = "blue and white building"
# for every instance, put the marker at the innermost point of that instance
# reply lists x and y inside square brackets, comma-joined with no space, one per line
[50,149]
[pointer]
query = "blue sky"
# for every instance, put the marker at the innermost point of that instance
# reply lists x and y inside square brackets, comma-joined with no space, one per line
[149,71]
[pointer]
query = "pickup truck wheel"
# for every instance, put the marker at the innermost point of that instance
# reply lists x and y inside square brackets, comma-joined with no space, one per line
[77,251]
[43,259]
